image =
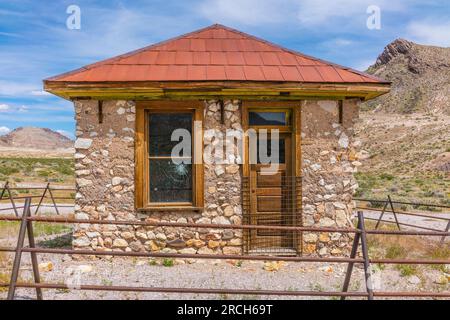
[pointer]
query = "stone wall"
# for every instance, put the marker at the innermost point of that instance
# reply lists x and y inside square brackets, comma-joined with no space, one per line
[104,164]
[105,173]
[105,178]
[329,160]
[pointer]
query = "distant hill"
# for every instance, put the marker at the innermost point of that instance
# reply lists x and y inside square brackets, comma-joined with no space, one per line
[420,78]
[35,138]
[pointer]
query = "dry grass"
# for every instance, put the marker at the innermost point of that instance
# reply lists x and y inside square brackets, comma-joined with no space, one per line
[400,246]
[5,265]
[406,247]
[10,229]
[8,233]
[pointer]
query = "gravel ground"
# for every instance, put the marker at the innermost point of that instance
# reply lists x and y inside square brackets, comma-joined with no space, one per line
[211,274]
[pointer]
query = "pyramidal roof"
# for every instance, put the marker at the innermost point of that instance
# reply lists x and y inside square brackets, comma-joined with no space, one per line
[215,53]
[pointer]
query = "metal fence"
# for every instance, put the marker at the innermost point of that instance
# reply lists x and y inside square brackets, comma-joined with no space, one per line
[278,203]
[389,203]
[359,244]
[7,194]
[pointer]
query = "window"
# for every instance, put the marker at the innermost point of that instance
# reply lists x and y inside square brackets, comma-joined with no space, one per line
[258,118]
[165,180]
[170,180]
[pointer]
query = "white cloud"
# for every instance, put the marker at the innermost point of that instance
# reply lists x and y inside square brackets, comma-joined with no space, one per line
[329,15]
[342,42]
[4,130]
[22,109]
[102,27]
[430,33]
[314,12]
[363,65]
[337,43]
[35,118]
[11,88]
[4,107]
[40,93]
[8,34]
[248,12]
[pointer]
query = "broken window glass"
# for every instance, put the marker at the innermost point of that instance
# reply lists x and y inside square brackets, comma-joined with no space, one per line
[170,180]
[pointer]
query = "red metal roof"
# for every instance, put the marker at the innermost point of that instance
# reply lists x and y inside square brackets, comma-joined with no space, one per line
[215,53]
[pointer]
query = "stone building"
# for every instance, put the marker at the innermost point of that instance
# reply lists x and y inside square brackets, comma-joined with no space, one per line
[233,95]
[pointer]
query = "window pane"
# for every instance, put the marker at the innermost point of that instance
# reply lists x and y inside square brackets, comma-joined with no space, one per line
[161,126]
[170,182]
[267,118]
[281,151]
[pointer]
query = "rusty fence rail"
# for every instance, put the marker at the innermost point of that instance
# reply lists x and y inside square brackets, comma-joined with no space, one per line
[359,244]
[389,203]
[47,192]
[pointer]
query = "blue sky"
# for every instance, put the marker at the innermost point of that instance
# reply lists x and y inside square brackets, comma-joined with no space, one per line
[35,42]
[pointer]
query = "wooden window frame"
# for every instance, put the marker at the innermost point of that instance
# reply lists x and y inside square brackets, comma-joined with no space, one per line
[288,111]
[142,182]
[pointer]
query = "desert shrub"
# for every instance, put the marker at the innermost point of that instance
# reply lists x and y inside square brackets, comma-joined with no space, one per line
[44,173]
[376,204]
[7,171]
[168,262]
[387,176]
[42,228]
[395,251]
[440,253]
[407,270]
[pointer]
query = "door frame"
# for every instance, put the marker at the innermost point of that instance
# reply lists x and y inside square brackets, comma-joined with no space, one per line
[296,160]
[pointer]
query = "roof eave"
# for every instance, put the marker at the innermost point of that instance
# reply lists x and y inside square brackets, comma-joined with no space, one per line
[208,89]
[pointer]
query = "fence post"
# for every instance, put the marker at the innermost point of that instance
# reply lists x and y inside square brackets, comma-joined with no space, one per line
[348,273]
[393,212]
[18,253]
[53,199]
[4,189]
[446,230]
[382,214]
[41,199]
[34,260]
[12,200]
[365,253]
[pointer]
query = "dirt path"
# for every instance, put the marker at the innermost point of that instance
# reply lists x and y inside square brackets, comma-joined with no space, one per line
[46,208]
[413,220]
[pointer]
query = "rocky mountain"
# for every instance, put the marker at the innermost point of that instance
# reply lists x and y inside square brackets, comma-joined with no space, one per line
[420,77]
[35,138]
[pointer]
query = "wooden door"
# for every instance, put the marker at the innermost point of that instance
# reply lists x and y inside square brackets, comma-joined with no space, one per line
[271,199]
